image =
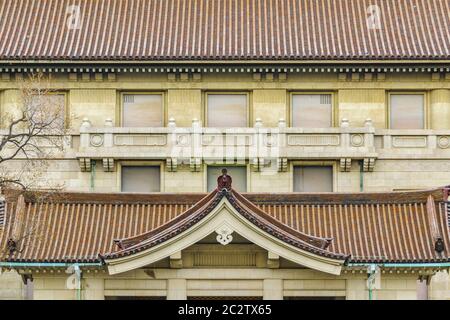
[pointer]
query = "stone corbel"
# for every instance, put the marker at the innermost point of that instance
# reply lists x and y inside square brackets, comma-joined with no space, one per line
[368,164]
[273,260]
[257,164]
[345,164]
[176,261]
[282,164]
[108,164]
[171,164]
[85,164]
[195,164]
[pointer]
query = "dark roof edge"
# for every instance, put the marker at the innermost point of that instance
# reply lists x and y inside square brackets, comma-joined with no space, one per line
[417,196]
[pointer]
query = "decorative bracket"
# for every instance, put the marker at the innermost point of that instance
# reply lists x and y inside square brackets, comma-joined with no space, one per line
[195,164]
[171,164]
[224,236]
[345,164]
[368,164]
[176,261]
[108,164]
[282,164]
[85,164]
[257,164]
[273,260]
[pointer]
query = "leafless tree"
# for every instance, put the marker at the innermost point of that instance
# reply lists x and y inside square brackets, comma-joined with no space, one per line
[32,134]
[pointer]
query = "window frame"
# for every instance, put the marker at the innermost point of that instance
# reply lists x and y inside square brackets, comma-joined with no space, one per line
[121,164]
[334,109]
[223,165]
[425,107]
[332,164]
[119,121]
[205,105]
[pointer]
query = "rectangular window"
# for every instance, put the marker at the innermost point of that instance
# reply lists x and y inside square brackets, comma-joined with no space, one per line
[313,179]
[238,175]
[142,110]
[141,179]
[48,110]
[407,111]
[312,110]
[227,110]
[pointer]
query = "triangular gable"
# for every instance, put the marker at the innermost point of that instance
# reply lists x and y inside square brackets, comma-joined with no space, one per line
[221,212]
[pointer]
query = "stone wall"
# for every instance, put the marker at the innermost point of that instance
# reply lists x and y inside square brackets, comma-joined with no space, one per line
[355,99]
[265,283]
[269,100]
[388,175]
[11,286]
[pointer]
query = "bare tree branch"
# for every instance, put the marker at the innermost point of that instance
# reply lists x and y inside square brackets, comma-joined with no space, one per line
[30,137]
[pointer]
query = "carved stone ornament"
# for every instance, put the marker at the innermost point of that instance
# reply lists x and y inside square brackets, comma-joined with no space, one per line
[345,164]
[96,140]
[85,164]
[224,236]
[224,181]
[108,164]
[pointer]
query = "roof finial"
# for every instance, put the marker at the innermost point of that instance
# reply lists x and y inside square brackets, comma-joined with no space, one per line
[224,181]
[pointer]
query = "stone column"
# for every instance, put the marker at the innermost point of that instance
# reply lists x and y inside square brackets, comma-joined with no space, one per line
[176,289]
[440,109]
[273,289]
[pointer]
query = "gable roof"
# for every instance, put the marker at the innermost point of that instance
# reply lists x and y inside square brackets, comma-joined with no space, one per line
[245,208]
[224,30]
[370,227]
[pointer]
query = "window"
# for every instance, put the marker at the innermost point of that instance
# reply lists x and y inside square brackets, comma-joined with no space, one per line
[312,110]
[313,179]
[227,110]
[142,110]
[237,173]
[407,111]
[141,179]
[48,110]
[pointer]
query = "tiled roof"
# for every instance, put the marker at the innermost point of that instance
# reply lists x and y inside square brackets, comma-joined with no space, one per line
[371,227]
[244,207]
[224,30]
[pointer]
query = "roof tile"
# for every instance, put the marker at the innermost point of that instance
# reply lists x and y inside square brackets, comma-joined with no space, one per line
[371,227]
[224,29]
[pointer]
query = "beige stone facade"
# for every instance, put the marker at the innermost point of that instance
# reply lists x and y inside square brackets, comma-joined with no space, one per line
[402,160]
[264,283]
[11,286]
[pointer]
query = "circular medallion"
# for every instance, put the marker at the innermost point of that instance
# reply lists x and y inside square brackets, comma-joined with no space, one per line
[444,142]
[96,140]
[357,140]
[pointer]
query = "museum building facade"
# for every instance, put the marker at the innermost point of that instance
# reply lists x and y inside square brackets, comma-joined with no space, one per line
[331,118]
